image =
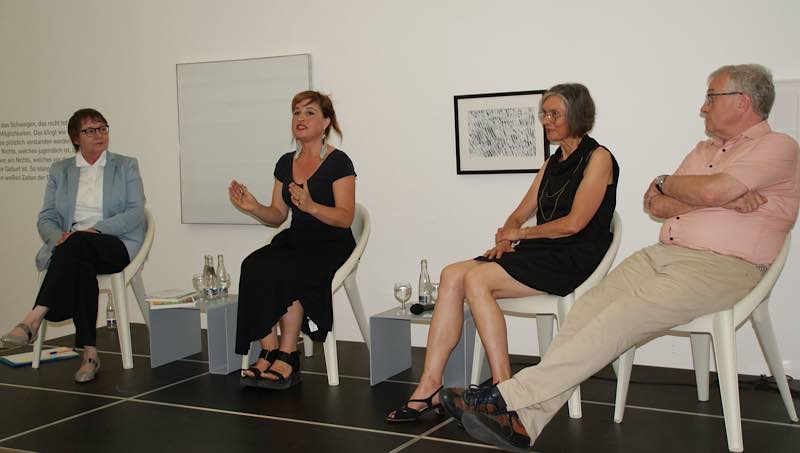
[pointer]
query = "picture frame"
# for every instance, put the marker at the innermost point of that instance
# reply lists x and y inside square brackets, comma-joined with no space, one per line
[499,133]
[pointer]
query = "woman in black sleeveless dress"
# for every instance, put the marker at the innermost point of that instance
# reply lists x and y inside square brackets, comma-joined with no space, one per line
[289,280]
[573,198]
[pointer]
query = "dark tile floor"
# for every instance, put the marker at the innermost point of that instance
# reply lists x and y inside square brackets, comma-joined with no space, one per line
[180,407]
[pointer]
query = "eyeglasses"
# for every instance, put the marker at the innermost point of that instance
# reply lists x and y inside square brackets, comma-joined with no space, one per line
[710,96]
[552,115]
[92,131]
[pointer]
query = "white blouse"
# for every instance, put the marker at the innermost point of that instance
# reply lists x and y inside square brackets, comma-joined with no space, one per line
[89,203]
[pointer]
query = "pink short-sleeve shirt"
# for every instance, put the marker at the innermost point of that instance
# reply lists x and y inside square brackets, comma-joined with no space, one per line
[765,161]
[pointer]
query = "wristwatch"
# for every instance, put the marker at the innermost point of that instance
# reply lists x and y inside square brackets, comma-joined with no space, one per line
[660,183]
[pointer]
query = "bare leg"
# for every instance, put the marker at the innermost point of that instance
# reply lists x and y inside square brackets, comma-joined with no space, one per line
[267,343]
[445,330]
[290,331]
[483,286]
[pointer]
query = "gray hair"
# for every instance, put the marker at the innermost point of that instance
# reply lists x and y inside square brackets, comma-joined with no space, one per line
[579,104]
[754,80]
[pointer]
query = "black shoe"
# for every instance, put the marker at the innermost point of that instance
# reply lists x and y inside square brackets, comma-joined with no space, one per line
[484,398]
[280,382]
[407,414]
[502,430]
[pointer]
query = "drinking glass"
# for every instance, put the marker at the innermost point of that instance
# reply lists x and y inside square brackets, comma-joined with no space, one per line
[402,292]
[434,292]
[199,284]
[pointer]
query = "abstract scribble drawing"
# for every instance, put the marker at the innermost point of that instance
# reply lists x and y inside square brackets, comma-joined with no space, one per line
[505,132]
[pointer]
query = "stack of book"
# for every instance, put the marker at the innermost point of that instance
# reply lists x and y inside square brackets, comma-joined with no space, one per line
[172,298]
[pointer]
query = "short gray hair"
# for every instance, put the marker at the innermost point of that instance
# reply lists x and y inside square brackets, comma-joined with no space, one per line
[754,80]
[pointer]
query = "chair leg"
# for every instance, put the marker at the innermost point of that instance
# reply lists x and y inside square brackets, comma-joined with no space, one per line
[37,345]
[623,366]
[308,345]
[477,360]
[123,322]
[351,288]
[331,359]
[138,291]
[762,324]
[701,349]
[544,332]
[725,353]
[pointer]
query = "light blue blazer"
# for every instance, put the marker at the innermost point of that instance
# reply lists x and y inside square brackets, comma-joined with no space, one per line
[123,204]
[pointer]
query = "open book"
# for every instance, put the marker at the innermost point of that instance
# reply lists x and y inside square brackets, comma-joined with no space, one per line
[172,298]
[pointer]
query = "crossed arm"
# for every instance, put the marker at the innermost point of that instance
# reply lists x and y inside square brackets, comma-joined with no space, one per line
[686,193]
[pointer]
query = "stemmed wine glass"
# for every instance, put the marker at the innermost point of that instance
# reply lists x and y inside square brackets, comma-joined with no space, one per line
[402,292]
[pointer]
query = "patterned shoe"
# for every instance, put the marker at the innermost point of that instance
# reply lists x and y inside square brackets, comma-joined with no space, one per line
[502,430]
[484,398]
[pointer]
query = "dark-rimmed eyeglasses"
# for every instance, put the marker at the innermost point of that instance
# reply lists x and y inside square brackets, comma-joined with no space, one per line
[92,131]
[710,96]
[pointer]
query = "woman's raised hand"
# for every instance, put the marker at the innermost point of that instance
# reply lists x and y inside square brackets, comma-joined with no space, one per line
[241,197]
[301,197]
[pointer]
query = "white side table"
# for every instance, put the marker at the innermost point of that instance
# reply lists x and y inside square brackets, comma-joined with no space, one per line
[390,336]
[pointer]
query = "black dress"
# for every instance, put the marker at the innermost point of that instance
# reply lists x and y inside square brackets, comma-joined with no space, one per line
[558,266]
[298,264]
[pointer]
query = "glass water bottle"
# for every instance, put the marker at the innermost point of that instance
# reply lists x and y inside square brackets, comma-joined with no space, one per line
[424,290]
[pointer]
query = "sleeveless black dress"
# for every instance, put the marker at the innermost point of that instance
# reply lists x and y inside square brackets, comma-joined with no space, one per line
[299,262]
[558,266]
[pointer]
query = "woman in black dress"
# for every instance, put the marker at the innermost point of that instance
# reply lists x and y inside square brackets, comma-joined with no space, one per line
[573,197]
[288,281]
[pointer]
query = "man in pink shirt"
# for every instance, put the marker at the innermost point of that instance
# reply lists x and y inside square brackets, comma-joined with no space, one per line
[726,210]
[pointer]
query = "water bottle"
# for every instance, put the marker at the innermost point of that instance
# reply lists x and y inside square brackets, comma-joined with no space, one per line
[223,277]
[209,278]
[424,290]
[111,317]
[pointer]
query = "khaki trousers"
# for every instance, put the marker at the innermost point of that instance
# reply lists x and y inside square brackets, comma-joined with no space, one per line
[654,289]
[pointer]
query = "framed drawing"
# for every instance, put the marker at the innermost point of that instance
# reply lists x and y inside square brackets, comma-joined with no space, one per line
[499,133]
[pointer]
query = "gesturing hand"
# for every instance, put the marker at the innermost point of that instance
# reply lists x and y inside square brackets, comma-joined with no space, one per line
[301,197]
[241,197]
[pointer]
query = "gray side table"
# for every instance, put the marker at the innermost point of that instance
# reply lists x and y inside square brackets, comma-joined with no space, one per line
[390,336]
[221,322]
[174,334]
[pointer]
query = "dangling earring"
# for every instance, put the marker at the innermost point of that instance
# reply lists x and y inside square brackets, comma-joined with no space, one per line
[324,146]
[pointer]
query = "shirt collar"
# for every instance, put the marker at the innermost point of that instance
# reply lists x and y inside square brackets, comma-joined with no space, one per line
[81,162]
[755,131]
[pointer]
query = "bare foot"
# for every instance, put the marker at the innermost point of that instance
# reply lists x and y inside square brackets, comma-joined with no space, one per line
[423,391]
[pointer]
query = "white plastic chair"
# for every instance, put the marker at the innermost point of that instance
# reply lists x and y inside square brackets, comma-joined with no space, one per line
[548,307]
[344,276]
[720,328]
[115,285]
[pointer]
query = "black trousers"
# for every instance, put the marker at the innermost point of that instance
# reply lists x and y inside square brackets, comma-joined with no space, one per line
[69,288]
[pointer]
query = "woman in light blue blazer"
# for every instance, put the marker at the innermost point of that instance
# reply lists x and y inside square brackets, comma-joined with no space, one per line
[92,222]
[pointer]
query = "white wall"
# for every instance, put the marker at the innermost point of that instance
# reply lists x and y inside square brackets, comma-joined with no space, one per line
[393,68]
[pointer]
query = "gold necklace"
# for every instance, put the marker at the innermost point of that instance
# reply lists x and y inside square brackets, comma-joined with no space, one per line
[557,194]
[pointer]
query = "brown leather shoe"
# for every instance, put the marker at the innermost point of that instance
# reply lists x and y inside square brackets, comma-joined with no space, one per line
[484,398]
[502,430]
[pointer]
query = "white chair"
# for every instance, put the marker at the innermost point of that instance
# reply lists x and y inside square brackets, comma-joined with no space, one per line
[344,276]
[720,328]
[547,307]
[115,285]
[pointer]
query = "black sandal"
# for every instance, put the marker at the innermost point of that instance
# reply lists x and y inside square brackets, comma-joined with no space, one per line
[281,382]
[407,414]
[269,356]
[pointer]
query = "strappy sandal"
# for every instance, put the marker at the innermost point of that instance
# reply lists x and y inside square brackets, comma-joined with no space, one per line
[9,340]
[269,356]
[282,382]
[408,414]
